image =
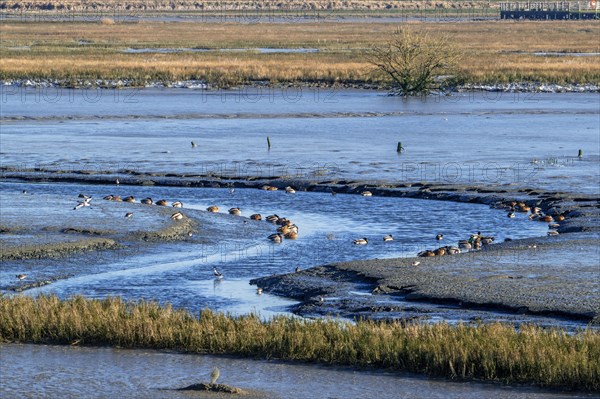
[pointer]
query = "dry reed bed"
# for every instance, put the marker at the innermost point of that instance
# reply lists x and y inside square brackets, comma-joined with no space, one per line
[496,352]
[489,51]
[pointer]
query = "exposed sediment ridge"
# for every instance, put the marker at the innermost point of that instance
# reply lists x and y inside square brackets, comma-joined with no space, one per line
[513,87]
[529,276]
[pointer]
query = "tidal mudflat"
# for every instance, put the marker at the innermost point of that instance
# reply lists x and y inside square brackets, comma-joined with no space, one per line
[463,154]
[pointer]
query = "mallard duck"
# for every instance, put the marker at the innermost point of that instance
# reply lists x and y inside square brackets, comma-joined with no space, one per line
[21,276]
[547,219]
[361,241]
[553,233]
[487,240]
[213,209]
[177,216]
[162,202]
[425,254]
[109,198]
[259,291]
[290,190]
[272,218]
[84,196]
[511,215]
[291,235]
[553,226]
[130,198]
[128,215]
[439,251]
[366,194]
[276,238]
[217,273]
[283,222]
[464,244]
[269,188]
[453,250]
[389,237]
[416,263]
[147,201]
[256,216]
[439,237]
[297,269]
[177,204]
[559,218]
[194,145]
[117,198]
[235,211]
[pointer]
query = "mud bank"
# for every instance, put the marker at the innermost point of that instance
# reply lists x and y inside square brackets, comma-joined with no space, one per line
[514,87]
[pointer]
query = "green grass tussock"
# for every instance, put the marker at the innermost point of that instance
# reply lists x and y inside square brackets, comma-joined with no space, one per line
[496,352]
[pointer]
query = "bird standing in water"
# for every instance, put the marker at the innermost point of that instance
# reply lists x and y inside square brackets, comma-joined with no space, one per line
[217,273]
[214,376]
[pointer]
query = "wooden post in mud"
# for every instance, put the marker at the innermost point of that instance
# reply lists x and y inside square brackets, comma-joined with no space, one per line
[268,143]
[399,148]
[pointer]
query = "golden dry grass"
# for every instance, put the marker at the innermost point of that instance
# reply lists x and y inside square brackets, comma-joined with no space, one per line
[493,352]
[490,51]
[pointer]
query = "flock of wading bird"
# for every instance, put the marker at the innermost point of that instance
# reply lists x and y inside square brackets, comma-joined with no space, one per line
[288,230]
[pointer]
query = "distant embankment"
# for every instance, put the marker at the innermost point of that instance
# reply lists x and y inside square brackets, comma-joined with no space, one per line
[191,5]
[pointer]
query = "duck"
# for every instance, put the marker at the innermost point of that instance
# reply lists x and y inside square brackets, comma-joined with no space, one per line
[425,254]
[235,211]
[487,240]
[523,207]
[129,199]
[292,235]
[464,244]
[559,218]
[217,273]
[117,182]
[290,190]
[536,209]
[194,145]
[553,233]
[272,218]
[269,188]
[511,215]
[416,263]
[259,291]
[553,226]
[534,216]
[128,215]
[213,209]
[387,238]
[21,276]
[439,251]
[452,250]
[162,202]
[283,222]
[366,194]
[177,204]
[147,201]
[361,241]
[177,216]
[85,197]
[109,198]
[439,237]
[547,219]
[256,216]
[276,238]
[297,269]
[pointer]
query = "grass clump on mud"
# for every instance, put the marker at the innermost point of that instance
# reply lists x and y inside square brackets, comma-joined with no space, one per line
[493,352]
